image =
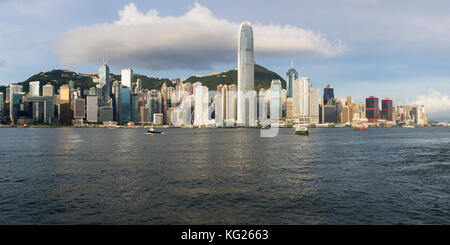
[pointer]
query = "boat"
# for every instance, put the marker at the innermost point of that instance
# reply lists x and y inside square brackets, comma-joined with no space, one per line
[360,126]
[301,130]
[408,126]
[153,131]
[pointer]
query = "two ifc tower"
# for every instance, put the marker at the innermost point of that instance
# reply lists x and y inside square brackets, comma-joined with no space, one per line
[246,72]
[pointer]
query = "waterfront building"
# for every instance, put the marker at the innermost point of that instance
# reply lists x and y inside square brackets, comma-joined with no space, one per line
[291,76]
[65,115]
[289,108]
[165,99]
[158,118]
[252,108]
[2,110]
[262,106]
[135,108]
[246,66]
[7,94]
[138,85]
[305,101]
[219,106]
[418,115]
[79,111]
[127,78]
[106,114]
[13,88]
[16,105]
[331,112]
[91,108]
[231,105]
[275,101]
[47,90]
[154,101]
[348,111]
[104,85]
[386,109]
[201,103]
[328,93]
[125,105]
[34,88]
[117,102]
[283,103]
[372,109]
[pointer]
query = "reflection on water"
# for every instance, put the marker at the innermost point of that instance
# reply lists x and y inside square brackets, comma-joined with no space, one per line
[224,176]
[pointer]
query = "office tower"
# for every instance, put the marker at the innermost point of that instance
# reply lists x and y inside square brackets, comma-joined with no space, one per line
[47,90]
[106,114]
[252,108]
[91,108]
[127,78]
[13,88]
[165,98]
[372,109]
[135,108]
[2,111]
[275,101]
[231,104]
[65,115]
[201,110]
[125,105]
[138,85]
[305,101]
[246,66]
[386,109]
[331,112]
[283,103]
[262,106]
[79,111]
[328,93]
[7,94]
[158,118]
[117,91]
[154,101]
[289,108]
[219,112]
[291,76]
[313,105]
[104,85]
[348,111]
[34,88]
[16,105]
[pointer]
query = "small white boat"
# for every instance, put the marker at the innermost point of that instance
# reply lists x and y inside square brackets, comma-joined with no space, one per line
[153,131]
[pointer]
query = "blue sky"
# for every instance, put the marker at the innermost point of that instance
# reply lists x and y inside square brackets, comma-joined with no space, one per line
[397,49]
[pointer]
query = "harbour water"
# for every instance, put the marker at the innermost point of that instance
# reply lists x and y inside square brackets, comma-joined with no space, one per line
[224,176]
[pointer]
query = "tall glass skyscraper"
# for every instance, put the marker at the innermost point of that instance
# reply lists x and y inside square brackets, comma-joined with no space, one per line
[105,85]
[291,76]
[328,93]
[246,70]
[125,105]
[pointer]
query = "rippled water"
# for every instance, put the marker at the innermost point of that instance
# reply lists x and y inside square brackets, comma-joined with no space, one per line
[224,176]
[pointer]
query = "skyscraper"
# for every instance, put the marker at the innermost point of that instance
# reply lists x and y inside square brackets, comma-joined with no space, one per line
[291,76]
[65,114]
[2,113]
[34,88]
[201,112]
[47,90]
[127,78]
[386,109]
[246,72]
[13,88]
[275,101]
[328,94]
[91,108]
[372,109]
[104,85]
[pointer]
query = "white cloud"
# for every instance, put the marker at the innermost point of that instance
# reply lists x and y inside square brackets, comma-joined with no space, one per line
[436,104]
[195,40]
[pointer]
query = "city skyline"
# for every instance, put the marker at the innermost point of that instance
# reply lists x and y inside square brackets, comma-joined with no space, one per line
[352,65]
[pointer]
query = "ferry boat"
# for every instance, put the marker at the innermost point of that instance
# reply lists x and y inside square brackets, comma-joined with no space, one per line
[301,130]
[408,126]
[153,131]
[360,126]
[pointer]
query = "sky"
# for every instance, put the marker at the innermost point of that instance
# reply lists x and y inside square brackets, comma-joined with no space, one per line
[397,49]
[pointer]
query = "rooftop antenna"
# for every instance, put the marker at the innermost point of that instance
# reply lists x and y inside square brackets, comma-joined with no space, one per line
[292,63]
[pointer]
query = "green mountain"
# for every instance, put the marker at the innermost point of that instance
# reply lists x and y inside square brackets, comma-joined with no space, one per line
[263,78]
